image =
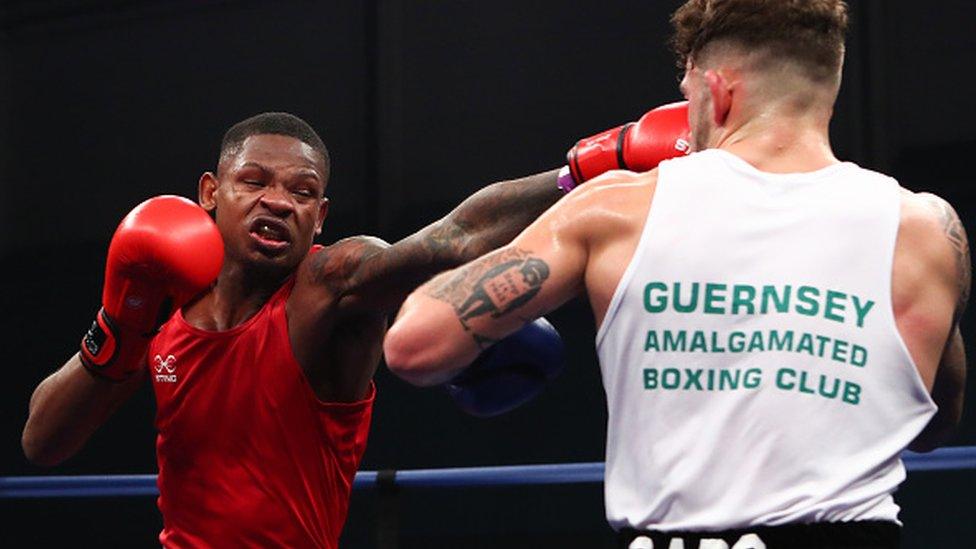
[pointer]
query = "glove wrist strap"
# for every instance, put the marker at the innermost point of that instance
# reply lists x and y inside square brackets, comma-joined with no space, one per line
[100,350]
[565,180]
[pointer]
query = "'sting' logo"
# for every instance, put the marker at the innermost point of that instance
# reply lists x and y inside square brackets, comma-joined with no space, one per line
[167,365]
[682,146]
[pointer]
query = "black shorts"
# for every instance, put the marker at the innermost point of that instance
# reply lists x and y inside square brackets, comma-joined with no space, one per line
[824,535]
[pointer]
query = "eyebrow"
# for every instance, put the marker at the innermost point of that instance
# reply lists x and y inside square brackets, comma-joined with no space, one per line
[263,169]
[303,172]
[309,172]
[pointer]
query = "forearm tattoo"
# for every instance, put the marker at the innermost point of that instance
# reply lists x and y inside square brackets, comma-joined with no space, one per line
[448,239]
[495,285]
[956,234]
[491,218]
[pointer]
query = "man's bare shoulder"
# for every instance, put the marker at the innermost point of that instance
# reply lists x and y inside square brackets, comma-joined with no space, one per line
[929,217]
[605,203]
[335,264]
[932,230]
[617,181]
[924,211]
[610,192]
[355,247]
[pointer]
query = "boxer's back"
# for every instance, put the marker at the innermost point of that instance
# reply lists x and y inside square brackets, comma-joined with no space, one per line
[751,354]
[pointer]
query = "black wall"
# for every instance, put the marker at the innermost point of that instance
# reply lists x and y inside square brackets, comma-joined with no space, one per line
[105,103]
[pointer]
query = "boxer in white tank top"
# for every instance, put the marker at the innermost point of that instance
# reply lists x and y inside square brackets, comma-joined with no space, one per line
[774,326]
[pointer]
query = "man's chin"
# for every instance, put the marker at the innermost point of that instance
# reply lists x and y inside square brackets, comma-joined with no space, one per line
[272,263]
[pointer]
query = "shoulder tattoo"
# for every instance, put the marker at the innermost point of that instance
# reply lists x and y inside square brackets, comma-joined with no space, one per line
[337,264]
[956,235]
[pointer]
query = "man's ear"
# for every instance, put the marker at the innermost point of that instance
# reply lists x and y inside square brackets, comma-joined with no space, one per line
[323,213]
[721,94]
[207,191]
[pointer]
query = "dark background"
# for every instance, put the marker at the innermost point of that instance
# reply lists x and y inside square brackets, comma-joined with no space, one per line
[105,103]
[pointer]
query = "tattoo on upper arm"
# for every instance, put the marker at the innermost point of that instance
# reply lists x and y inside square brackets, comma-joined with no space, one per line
[956,234]
[494,285]
[338,265]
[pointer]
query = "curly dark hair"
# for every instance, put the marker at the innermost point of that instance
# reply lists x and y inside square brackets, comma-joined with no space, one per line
[810,32]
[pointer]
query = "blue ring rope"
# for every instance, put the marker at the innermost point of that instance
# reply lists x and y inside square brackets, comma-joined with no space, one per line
[943,459]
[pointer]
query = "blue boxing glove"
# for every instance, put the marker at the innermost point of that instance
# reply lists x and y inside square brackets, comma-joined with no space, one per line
[510,372]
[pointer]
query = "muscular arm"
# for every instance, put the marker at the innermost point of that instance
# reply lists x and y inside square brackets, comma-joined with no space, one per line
[364,280]
[949,385]
[947,392]
[66,408]
[955,234]
[444,325]
[383,276]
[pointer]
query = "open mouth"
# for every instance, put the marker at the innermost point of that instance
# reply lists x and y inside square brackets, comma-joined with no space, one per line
[270,233]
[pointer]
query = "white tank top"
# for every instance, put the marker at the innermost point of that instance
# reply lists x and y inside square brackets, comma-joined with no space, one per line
[753,369]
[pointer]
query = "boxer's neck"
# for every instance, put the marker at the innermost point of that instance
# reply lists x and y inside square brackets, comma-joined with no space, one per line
[238,294]
[781,144]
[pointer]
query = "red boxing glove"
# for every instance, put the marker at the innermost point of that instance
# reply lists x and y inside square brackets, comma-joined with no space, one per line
[639,146]
[166,251]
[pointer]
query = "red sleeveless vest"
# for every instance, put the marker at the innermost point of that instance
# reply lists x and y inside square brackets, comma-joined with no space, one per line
[248,456]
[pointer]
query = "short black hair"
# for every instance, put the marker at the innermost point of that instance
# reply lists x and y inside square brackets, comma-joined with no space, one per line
[274,123]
